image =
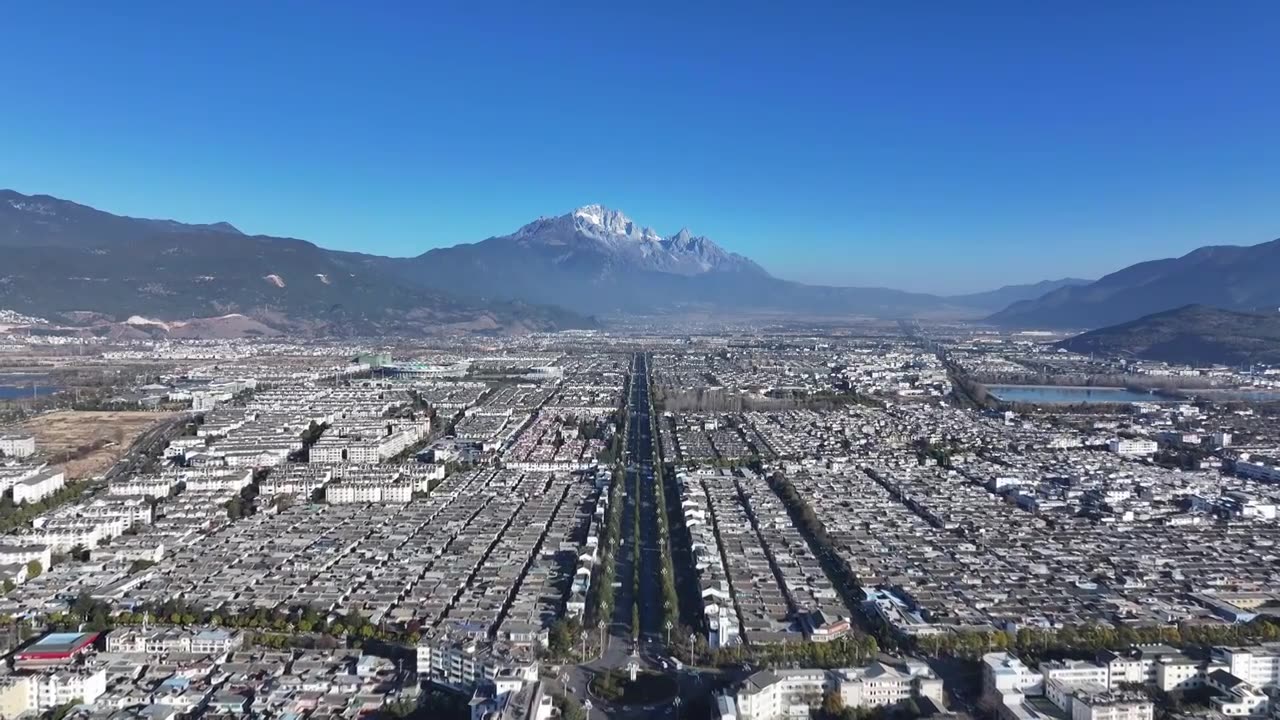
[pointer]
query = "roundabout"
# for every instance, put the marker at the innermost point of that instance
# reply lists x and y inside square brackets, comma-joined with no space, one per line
[617,688]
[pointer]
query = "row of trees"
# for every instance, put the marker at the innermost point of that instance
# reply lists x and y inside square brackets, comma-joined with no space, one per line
[1085,640]
[563,637]
[833,708]
[721,400]
[14,516]
[815,532]
[848,651]
[600,596]
[635,559]
[569,707]
[98,616]
[670,600]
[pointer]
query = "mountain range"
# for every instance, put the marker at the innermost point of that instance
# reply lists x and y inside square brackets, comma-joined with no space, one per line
[72,263]
[595,259]
[1193,335]
[1241,278]
[75,263]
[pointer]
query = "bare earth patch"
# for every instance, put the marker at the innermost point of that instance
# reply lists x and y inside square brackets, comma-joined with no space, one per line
[87,443]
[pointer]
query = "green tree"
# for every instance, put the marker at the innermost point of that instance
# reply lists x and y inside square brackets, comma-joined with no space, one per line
[34,569]
[832,705]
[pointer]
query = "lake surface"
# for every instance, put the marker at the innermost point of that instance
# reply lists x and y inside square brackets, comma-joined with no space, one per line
[19,386]
[1044,394]
[1260,396]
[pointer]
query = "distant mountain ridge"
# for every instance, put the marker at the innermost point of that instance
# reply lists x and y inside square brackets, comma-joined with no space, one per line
[595,259]
[550,273]
[1242,278]
[1193,334]
[43,220]
[69,260]
[595,229]
[1003,297]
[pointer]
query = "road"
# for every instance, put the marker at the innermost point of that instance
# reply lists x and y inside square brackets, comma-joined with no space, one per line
[149,444]
[639,506]
[639,511]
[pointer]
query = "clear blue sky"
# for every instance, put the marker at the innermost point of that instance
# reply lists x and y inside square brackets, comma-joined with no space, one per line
[925,145]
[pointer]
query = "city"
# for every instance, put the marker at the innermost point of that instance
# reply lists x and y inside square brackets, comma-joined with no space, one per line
[599,524]
[640,361]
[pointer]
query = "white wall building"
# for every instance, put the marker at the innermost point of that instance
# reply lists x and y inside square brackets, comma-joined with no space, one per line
[1133,447]
[1006,675]
[42,485]
[23,554]
[358,491]
[782,694]
[1259,666]
[155,487]
[52,689]
[19,446]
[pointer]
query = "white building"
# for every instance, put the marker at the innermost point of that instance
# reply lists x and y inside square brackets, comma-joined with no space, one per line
[65,534]
[40,486]
[1237,697]
[212,482]
[1004,675]
[23,554]
[1101,704]
[461,663]
[154,487]
[781,694]
[365,491]
[1080,690]
[1073,672]
[775,695]
[1133,447]
[1259,665]
[511,697]
[161,641]
[132,509]
[16,697]
[59,687]
[19,446]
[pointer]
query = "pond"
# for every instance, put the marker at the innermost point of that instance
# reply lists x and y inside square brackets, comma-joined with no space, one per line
[15,386]
[1052,395]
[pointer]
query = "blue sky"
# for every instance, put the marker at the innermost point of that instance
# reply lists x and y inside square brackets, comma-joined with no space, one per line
[923,145]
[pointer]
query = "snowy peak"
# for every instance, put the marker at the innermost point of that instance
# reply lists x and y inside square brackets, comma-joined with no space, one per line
[598,234]
[600,219]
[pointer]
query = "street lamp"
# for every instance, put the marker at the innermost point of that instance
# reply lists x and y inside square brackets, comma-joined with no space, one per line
[583,636]
[692,637]
[586,705]
[668,632]
[678,702]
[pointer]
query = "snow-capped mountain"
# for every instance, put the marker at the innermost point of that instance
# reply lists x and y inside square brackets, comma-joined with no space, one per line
[620,243]
[60,257]
[597,260]
[71,263]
